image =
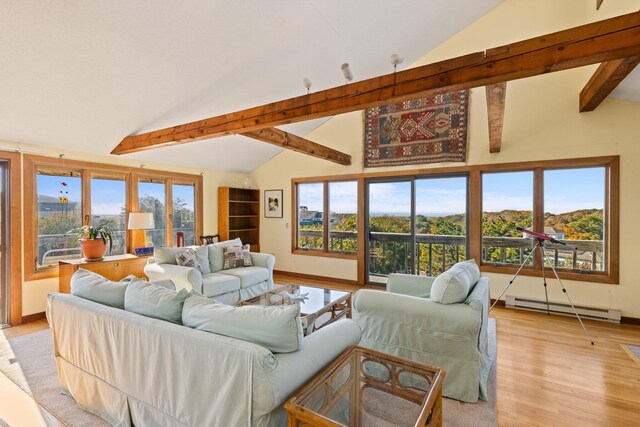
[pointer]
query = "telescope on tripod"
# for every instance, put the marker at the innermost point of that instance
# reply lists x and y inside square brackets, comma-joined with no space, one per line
[541,239]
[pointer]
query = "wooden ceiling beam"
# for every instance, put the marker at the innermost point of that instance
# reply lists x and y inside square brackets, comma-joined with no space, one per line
[301,145]
[496,95]
[605,79]
[593,43]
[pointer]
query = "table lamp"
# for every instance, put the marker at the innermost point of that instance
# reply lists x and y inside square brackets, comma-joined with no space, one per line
[139,222]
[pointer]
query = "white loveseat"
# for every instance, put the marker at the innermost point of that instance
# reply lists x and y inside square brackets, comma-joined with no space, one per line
[135,370]
[226,286]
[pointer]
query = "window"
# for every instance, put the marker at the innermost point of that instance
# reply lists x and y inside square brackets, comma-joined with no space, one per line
[151,198]
[311,216]
[327,212]
[184,212]
[571,201]
[507,203]
[67,194]
[574,211]
[59,210]
[109,205]
[343,216]
[423,221]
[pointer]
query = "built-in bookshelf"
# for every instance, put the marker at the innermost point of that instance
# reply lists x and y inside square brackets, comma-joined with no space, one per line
[239,215]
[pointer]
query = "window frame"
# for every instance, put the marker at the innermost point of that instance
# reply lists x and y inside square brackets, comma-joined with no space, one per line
[611,164]
[325,251]
[33,163]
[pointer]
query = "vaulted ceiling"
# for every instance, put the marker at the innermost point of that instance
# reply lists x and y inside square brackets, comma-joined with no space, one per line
[81,75]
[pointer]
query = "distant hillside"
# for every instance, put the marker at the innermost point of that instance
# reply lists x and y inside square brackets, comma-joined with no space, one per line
[584,224]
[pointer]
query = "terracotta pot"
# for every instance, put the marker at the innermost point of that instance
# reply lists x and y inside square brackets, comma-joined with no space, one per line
[93,249]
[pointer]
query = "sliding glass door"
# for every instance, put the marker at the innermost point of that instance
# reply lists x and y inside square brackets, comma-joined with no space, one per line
[389,229]
[416,225]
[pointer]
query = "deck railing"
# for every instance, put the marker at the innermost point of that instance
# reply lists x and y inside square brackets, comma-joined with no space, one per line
[390,252]
[59,247]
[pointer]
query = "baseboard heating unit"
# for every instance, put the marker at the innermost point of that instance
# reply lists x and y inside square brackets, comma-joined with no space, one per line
[593,313]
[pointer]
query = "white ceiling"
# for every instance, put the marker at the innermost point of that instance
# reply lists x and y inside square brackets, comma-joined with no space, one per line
[83,74]
[629,88]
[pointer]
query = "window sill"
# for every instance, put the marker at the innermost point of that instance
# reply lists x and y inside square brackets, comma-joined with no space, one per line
[600,277]
[41,274]
[319,253]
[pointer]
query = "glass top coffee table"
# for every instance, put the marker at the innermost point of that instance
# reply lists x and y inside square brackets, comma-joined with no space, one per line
[319,306]
[364,387]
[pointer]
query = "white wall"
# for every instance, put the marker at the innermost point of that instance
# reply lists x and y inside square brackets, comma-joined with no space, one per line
[34,292]
[541,122]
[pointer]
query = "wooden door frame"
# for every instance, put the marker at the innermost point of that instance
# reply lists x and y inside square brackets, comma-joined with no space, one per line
[14,161]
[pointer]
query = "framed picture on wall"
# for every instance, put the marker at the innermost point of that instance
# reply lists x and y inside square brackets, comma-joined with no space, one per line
[273,203]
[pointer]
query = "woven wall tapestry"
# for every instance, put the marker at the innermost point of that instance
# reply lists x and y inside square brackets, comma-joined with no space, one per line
[425,130]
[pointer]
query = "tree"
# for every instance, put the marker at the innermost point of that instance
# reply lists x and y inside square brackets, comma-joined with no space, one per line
[152,204]
[589,227]
[58,223]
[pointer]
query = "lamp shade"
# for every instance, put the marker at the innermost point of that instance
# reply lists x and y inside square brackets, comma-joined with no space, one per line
[140,221]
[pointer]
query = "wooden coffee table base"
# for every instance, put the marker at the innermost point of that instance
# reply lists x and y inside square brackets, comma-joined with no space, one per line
[337,396]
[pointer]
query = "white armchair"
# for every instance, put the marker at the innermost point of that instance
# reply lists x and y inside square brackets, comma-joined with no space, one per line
[406,323]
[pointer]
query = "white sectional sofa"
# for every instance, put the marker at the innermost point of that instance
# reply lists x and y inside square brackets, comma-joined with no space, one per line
[132,369]
[226,286]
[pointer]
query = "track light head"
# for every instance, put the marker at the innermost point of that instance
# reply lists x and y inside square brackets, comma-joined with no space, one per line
[346,72]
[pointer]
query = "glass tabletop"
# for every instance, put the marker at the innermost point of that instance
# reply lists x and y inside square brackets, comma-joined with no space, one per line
[311,299]
[366,388]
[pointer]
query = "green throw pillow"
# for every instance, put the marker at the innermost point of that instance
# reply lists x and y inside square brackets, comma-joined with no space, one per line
[275,328]
[163,255]
[453,286]
[94,287]
[155,301]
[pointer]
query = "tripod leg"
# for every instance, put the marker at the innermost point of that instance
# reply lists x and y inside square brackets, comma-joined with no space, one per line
[571,303]
[515,275]
[543,258]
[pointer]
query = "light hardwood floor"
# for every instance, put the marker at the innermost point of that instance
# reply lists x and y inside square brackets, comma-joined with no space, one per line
[547,371]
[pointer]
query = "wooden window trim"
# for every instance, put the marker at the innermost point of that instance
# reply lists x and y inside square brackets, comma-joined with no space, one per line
[31,163]
[324,252]
[612,210]
[15,239]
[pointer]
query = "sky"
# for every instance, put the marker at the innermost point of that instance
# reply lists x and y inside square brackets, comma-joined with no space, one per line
[565,190]
[107,196]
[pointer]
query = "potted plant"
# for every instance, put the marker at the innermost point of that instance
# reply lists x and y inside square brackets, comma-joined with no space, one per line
[93,240]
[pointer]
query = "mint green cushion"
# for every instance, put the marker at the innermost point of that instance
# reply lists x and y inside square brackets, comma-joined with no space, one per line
[453,286]
[216,256]
[275,328]
[163,255]
[202,255]
[94,287]
[155,301]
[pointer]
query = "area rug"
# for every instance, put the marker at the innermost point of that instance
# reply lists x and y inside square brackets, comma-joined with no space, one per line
[28,361]
[424,130]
